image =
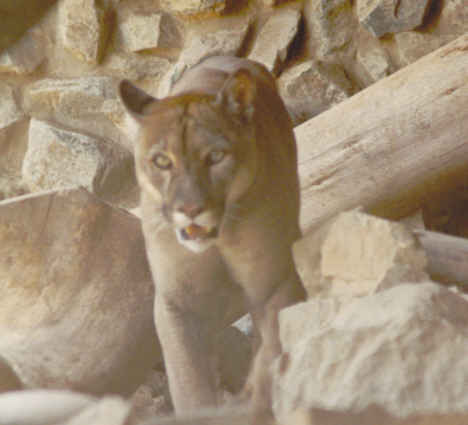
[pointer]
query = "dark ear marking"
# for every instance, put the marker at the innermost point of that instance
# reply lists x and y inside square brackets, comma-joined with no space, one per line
[238,93]
[134,99]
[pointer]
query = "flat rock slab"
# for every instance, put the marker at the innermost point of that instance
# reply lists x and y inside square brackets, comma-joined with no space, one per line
[77,294]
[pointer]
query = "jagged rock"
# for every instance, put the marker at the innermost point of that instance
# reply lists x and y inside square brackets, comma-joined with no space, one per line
[331,25]
[451,23]
[310,88]
[374,62]
[140,31]
[24,56]
[84,28]
[401,351]
[10,112]
[357,254]
[381,17]
[135,66]
[191,7]
[200,45]
[88,104]
[272,44]
[77,303]
[57,158]
[41,407]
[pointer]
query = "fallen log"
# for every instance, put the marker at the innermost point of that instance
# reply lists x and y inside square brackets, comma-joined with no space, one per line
[447,256]
[392,145]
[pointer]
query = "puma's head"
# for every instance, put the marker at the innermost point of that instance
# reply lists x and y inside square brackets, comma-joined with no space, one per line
[195,155]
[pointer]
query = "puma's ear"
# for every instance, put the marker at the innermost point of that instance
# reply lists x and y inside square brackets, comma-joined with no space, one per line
[238,94]
[134,99]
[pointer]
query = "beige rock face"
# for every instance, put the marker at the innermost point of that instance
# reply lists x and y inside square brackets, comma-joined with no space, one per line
[402,351]
[193,6]
[331,25]
[381,17]
[140,31]
[10,112]
[87,104]
[84,28]
[275,37]
[57,158]
[78,295]
[357,254]
[451,23]
[8,379]
[200,45]
[375,63]
[310,88]
[24,56]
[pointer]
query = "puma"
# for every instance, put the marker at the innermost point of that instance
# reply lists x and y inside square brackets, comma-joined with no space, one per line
[216,165]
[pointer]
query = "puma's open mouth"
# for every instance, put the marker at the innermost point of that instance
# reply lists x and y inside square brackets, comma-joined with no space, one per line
[196,232]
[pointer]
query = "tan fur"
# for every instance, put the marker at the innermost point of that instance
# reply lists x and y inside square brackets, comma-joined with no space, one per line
[251,197]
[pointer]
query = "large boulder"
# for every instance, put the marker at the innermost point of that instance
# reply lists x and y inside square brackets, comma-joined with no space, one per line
[77,294]
[399,352]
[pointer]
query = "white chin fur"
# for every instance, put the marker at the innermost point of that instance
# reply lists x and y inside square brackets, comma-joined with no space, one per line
[197,246]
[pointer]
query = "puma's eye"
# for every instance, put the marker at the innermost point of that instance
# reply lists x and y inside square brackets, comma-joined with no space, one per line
[162,161]
[215,156]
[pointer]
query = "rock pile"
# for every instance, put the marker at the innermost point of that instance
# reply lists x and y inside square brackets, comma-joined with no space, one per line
[378,341]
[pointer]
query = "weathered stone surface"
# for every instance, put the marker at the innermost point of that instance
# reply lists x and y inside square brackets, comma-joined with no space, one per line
[10,112]
[135,66]
[451,23]
[331,25]
[24,56]
[358,254]
[57,158]
[76,310]
[140,31]
[374,62]
[89,104]
[41,407]
[203,44]
[85,25]
[401,351]
[193,6]
[275,37]
[381,17]
[310,88]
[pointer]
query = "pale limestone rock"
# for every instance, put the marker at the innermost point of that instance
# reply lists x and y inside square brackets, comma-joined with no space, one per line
[401,351]
[77,304]
[135,66]
[331,25]
[272,44]
[10,112]
[310,88]
[84,28]
[375,63]
[41,407]
[358,254]
[57,158]
[450,24]
[24,56]
[200,45]
[88,104]
[190,7]
[381,17]
[140,31]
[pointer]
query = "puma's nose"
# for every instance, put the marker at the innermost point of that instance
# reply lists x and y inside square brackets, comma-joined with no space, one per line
[191,210]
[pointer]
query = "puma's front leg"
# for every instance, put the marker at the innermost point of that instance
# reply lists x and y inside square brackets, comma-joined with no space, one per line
[187,343]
